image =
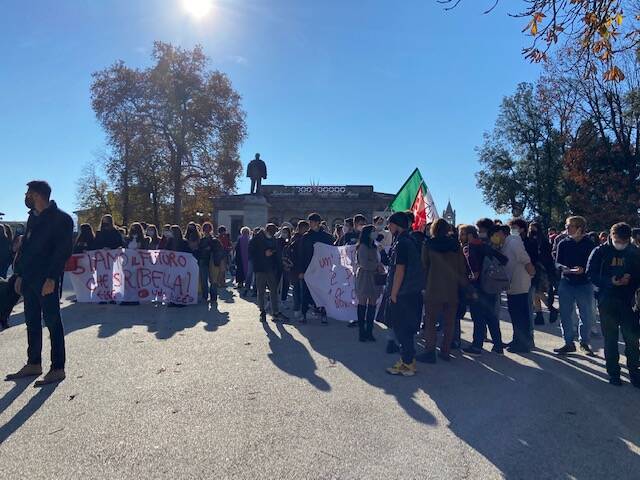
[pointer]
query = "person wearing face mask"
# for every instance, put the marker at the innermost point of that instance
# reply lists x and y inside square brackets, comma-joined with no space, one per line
[352,235]
[614,268]
[520,270]
[367,291]
[166,237]
[387,238]
[575,287]
[108,237]
[210,254]
[154,239]
[46,246]
[136,239]
[266,258]
[483,305]
[309,239]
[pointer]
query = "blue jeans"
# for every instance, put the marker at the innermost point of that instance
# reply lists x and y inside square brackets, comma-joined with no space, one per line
[37,307]
[568,296]
[483,314]
[208,284]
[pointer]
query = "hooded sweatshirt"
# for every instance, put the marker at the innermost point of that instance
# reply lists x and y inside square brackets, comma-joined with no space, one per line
[606,262]
[445,269]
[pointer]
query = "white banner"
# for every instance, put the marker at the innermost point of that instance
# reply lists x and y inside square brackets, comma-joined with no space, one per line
[331,280]
[125,275]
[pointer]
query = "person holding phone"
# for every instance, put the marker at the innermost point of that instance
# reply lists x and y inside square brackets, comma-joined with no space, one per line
[575,288]
[615,269]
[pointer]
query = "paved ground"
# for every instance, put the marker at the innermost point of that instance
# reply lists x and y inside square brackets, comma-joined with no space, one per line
[191,393]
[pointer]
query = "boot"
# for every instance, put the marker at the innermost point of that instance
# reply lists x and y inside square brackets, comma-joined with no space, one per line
[368,326]
[362,310]
[539,319]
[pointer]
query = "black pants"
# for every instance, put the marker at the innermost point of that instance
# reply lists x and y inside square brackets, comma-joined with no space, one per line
[286,282]
[405,316]
[37,307]
[520,314]
[616,315]
[256,185]
[483,314]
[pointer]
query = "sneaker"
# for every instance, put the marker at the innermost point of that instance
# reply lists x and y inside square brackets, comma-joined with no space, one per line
[426,357]
[539,319]
[352,323]
[280,317]
[52,376]
[584,347]
[498,349]
[568,348]
[324,320]
[518,349]
[617,381]
[471,350]
[263,317]
[404,369]
[24,372]
[392,347]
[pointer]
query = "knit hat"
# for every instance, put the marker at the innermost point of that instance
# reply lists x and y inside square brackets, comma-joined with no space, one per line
[400,219]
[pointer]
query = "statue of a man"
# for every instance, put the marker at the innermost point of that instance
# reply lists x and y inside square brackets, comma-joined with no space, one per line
[256,171]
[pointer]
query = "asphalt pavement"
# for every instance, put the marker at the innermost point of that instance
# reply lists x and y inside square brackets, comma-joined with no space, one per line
[159,393]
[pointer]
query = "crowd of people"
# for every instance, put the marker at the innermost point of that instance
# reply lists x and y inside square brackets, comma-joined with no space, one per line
[415,281]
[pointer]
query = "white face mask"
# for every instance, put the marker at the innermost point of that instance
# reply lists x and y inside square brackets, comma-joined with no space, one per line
[515,231]
[620,246]
[483,235]
[168,234]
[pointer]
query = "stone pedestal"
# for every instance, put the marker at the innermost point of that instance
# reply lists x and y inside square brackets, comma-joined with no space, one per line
[256,210]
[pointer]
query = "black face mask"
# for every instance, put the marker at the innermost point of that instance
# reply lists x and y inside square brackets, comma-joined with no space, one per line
[29,202]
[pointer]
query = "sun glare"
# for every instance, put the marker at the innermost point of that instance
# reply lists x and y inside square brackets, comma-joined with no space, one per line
[198,9]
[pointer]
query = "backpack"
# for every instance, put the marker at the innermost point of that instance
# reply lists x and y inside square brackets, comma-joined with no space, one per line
[494,278]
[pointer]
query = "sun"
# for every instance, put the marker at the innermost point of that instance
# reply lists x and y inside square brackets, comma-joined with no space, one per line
[198,9]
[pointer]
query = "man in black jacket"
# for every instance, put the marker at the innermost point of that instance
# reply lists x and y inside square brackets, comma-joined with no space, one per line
[614,268]
[46,246]
[313,236]
[266,258]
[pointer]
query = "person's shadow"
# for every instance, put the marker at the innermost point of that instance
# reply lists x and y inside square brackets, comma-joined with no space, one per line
[292,357]
[26,412]
[364,360]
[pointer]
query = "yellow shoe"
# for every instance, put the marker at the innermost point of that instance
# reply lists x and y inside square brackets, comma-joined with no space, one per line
[404,369]
[396,369]
[409,369]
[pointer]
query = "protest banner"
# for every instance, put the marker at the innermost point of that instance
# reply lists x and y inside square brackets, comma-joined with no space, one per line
[125,275]
[331,280]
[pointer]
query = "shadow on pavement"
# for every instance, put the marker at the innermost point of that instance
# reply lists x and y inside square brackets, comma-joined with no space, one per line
[366,361]
[292,357]
[26,412]
[19,386]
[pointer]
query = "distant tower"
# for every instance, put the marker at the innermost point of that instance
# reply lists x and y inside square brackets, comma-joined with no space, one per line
[449,214]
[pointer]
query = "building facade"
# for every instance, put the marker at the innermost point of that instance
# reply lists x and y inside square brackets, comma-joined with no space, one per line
[284,203]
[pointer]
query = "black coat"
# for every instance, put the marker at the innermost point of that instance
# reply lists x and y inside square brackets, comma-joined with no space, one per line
[110,238]
[258,247]
[308,241]
[46,246]
[6,254]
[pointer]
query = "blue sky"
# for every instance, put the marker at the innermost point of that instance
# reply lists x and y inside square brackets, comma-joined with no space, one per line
[336,92]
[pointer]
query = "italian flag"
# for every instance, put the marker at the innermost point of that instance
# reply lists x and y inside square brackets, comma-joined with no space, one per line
[415,196]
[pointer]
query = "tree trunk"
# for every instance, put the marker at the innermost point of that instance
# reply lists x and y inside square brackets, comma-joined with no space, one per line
[177,187]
